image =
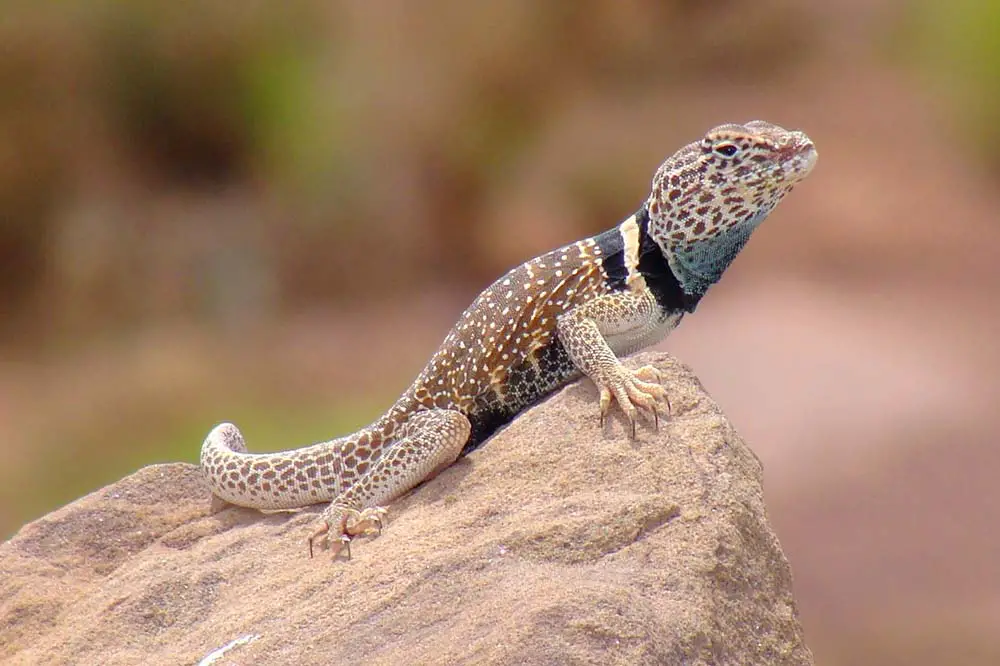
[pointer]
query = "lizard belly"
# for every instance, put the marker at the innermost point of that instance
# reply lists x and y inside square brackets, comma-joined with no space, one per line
[632,340]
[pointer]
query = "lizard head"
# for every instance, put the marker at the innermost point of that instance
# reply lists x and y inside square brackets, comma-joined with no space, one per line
[709,197]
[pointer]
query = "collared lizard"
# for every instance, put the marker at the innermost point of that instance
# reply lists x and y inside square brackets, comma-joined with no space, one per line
[570,312]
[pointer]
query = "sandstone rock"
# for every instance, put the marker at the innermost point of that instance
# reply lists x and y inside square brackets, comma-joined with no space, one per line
[552,544]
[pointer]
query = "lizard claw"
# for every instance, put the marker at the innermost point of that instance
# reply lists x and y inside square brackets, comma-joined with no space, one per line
[370,517]
[345,542]
[362,522]
[319,533]
[650,374]
[634,390]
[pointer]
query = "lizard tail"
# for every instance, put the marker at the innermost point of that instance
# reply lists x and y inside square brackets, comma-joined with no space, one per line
[283,480]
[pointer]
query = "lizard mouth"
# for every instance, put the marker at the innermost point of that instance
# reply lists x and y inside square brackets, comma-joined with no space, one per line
[800,155]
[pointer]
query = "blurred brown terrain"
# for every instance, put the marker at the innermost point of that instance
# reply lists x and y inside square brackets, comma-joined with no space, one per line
[272,213]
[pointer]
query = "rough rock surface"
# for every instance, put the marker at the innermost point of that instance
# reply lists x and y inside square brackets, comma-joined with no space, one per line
[552,544]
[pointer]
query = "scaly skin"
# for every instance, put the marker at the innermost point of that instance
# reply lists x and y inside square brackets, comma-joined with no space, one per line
[573,311]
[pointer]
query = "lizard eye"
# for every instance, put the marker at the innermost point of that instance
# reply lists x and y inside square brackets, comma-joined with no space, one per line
[727,149]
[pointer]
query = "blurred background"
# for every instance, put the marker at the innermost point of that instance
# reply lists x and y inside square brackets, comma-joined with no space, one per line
[272,213]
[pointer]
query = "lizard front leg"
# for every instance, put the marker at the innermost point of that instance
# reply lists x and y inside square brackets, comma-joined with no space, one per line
[430,441]
[635,320]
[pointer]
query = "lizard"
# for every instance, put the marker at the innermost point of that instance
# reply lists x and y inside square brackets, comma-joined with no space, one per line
[567,313]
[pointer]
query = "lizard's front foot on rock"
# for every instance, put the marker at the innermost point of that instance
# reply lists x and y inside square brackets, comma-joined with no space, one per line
[340,524]
[634,390]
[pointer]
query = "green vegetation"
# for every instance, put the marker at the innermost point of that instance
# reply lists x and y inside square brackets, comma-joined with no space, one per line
[957,44]
[72,469]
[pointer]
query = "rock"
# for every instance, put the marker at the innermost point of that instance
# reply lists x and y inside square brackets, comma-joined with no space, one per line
[552,544]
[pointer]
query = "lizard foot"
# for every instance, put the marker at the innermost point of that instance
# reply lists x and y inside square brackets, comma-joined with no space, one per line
[634,390]
[340,524]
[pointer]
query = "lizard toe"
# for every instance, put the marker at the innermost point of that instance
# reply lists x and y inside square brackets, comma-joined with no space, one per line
[339,524]
[366,520]
[635,391]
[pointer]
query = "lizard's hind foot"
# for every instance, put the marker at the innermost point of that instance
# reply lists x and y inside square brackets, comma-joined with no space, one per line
[340,524]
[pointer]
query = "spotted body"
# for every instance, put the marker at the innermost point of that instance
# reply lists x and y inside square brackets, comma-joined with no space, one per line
[570,312]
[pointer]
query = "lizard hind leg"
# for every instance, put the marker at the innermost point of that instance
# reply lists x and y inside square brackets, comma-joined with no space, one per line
[429,442]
